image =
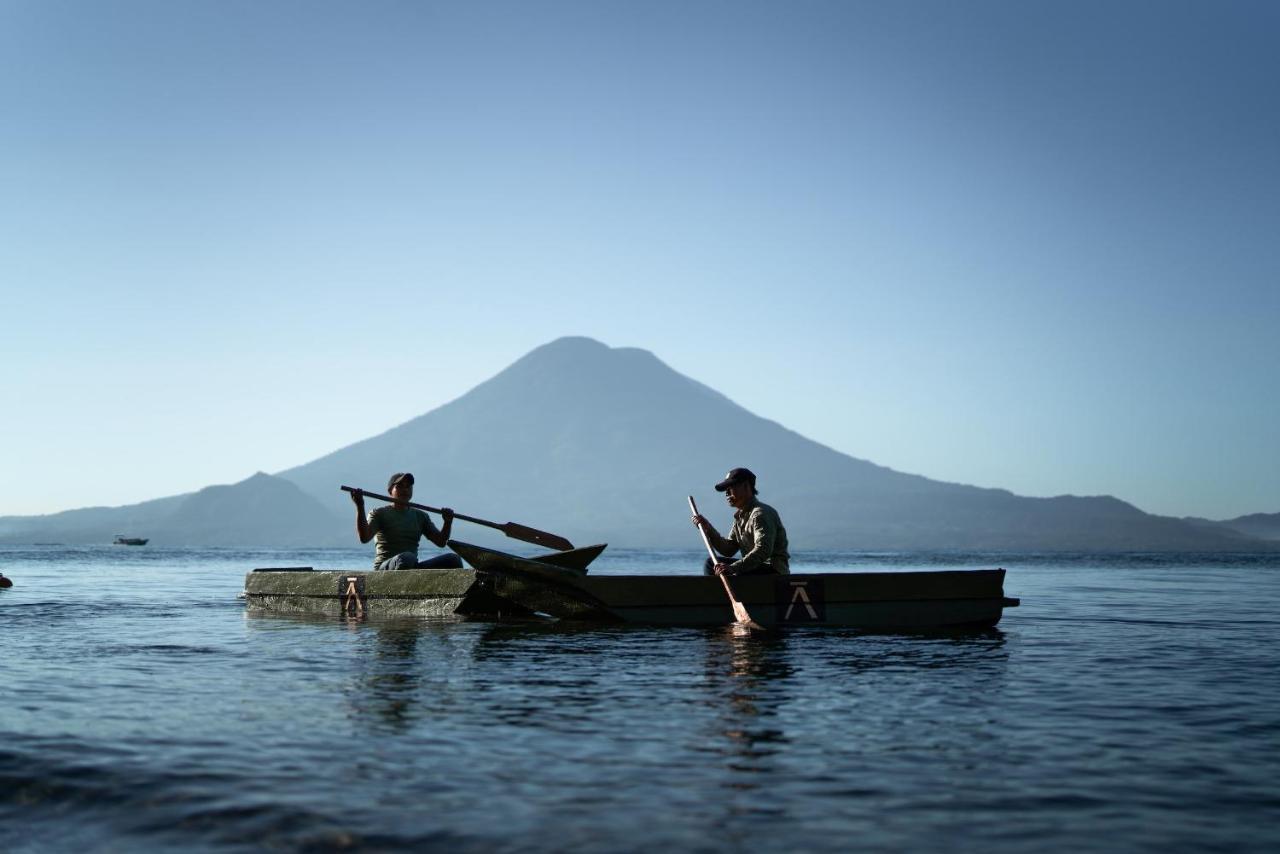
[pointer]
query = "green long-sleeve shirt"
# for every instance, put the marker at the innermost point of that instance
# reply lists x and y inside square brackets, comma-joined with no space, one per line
[758,533]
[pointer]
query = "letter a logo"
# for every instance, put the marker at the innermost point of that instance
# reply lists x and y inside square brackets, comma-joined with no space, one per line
[801,596]
[351,594]
[800,600]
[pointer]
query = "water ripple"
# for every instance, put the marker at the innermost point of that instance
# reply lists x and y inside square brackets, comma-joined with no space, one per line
[1124,706]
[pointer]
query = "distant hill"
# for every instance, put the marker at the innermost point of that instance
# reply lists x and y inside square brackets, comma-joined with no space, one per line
[1262,526]
[88,525]
[260,511]
[603,444]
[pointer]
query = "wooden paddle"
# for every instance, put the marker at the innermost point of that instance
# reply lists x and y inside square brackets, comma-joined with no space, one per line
[739,610]
[511,529]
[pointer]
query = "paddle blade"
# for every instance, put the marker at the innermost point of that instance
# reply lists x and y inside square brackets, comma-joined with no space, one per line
[532,535]
[739,610]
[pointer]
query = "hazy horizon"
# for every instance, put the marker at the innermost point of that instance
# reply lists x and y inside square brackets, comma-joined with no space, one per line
[1019,247]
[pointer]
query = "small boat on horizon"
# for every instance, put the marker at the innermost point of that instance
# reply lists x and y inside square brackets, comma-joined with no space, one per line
[122,540]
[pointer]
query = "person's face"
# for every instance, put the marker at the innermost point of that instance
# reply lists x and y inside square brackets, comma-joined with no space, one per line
[738,494]
[402,491]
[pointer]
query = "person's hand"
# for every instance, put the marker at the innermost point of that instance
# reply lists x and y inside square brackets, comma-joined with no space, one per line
[357,496]
[721,568]
[446,513]
[698,521]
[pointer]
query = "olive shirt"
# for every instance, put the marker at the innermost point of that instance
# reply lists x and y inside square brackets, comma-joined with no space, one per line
[757,530]
[398,531]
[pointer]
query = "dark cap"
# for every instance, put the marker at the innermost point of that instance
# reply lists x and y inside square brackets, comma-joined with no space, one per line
[736,476]
[400,476]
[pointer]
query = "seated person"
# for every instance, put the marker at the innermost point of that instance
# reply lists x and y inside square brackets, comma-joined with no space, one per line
[398,527]
[757,531]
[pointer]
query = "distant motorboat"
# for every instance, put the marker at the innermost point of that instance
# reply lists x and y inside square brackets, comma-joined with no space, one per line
[130,541]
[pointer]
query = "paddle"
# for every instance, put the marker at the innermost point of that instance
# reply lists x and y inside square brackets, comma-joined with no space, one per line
[511,529]
[739,609]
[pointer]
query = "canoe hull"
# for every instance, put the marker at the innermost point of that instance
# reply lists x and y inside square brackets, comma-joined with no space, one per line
[503,585]
[432,593]
[924,600]
[873,601]
[406,592]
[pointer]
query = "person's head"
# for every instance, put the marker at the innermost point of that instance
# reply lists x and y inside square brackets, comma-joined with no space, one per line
[400,485]
[739,487]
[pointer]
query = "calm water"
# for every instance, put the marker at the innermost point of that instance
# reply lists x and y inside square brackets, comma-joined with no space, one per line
[1131,704]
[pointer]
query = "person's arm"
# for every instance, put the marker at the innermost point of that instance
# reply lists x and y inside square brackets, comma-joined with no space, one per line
[441,536]
[763,533]
[363,531]
[723,545]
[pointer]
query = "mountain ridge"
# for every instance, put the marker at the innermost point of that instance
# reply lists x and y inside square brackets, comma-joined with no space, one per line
[602,444]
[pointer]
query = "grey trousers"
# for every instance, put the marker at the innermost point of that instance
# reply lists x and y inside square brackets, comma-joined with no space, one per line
[409,560]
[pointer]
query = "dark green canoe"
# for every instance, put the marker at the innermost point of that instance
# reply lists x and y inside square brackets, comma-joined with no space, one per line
[557,585]
[926,600]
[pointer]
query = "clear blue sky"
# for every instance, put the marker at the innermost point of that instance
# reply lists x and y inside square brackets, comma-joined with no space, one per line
[1025,245]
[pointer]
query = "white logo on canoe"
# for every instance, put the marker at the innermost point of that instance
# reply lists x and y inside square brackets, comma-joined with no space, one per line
[800,594]
[351,603]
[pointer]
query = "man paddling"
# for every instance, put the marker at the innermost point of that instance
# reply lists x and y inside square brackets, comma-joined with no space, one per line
[398,527]
[757,531]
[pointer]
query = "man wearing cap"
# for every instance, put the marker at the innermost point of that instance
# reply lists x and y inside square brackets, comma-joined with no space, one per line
[757,531]
[398,528]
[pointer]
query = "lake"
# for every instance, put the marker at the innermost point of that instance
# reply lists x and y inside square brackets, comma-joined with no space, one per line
[1132,703]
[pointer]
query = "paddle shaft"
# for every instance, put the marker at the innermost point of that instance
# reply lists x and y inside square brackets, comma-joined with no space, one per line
[511,529]
[740,612]
[706,541]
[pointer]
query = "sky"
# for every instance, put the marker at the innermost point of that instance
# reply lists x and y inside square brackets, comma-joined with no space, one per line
[1020,245]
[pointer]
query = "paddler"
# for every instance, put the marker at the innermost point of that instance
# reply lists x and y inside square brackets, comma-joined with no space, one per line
[398,528]
[757,531]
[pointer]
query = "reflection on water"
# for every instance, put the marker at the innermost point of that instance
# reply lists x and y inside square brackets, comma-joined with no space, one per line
[1124,707]
[393,677]
[747,675]
[921,652]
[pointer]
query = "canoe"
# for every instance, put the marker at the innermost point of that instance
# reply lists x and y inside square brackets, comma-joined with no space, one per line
[916,601]
[366,593]
[463,593]
[500,585]
[575,561]
[129,541]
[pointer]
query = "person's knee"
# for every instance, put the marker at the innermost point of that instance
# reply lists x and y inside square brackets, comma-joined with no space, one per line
[404,560]
[444,561]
